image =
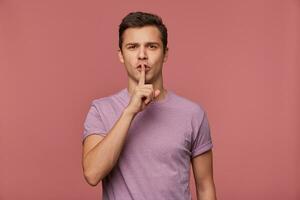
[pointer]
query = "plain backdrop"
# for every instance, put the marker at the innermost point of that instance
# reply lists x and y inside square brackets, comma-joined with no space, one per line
[239,59]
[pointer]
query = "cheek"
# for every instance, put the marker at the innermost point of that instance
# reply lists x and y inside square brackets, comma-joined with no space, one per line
[129,59]
[157,59]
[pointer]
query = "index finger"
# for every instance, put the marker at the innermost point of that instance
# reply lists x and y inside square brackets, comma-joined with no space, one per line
[142,77]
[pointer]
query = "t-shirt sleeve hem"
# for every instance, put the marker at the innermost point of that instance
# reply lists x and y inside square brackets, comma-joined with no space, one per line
[85,135]
[202,149]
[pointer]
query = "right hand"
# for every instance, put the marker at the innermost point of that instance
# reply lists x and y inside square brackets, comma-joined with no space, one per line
[142,95]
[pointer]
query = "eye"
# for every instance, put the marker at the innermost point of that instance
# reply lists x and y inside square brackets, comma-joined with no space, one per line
[132,47]
[152,46]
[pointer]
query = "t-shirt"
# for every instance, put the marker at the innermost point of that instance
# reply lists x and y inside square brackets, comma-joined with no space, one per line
[155,161]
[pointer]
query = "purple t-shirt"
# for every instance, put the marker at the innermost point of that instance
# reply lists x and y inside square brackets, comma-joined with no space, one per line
[156,158]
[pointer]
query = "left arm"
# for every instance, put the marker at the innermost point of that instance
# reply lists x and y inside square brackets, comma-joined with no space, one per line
[203,174]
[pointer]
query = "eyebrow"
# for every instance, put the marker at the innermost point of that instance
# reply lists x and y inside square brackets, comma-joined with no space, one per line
[147,43]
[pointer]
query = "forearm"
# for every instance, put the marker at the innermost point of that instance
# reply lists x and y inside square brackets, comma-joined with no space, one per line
[101,159]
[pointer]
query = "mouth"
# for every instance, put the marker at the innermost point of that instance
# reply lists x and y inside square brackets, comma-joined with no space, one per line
[139,68]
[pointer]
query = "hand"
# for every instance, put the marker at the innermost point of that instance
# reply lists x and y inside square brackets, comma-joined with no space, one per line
[142,95]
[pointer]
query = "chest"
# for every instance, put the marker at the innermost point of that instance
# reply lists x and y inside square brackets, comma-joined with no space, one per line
[159,136]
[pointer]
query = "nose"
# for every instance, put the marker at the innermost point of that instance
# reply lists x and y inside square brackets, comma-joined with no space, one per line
[142,54]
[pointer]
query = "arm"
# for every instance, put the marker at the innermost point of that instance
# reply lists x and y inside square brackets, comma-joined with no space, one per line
[100,154]
[203,174]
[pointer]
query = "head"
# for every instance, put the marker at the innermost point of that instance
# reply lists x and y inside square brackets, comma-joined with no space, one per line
[143,40]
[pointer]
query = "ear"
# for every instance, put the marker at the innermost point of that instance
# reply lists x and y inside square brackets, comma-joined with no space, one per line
[166,55]
[120,55]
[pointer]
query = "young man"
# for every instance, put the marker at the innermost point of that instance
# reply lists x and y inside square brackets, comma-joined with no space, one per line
[141,141]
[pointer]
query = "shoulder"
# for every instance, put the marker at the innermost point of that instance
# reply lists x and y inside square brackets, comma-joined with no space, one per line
[107,101]
[102,101]
[189,106]
[103,104]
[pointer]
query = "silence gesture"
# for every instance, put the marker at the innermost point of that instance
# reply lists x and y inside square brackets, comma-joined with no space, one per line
[142,95]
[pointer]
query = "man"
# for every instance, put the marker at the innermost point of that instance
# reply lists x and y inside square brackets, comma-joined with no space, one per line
[141,141]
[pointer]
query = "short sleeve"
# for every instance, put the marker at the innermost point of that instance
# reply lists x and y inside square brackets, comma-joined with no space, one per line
[202,141]
[93,123]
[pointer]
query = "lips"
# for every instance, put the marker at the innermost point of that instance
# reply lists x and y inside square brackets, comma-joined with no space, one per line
[139,68]
[140,65]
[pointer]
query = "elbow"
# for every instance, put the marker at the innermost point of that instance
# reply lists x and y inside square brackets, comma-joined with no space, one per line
[89,175]
[91,179]
[93,175]
[206,189]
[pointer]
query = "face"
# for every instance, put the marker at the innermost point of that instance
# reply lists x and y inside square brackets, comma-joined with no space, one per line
[143,46]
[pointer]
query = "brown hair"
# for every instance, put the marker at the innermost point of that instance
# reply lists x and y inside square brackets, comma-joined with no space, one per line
[141,19]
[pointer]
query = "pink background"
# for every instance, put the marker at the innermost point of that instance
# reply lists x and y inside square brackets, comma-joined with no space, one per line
[239,59]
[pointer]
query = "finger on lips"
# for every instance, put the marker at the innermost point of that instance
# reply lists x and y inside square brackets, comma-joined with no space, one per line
[151,95]
[142,77]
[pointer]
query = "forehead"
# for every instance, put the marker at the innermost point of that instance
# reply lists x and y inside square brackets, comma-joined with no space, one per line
[142,35]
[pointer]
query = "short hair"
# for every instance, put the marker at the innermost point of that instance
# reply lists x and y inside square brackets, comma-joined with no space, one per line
[141,19]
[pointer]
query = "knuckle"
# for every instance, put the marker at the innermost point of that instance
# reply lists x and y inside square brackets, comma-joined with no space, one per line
[150,86]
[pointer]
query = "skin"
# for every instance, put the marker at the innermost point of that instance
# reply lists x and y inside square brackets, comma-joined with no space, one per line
[137,48]
[203,173]
[141,46]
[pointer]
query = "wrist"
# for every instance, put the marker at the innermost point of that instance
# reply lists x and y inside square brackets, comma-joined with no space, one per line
[127,112]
